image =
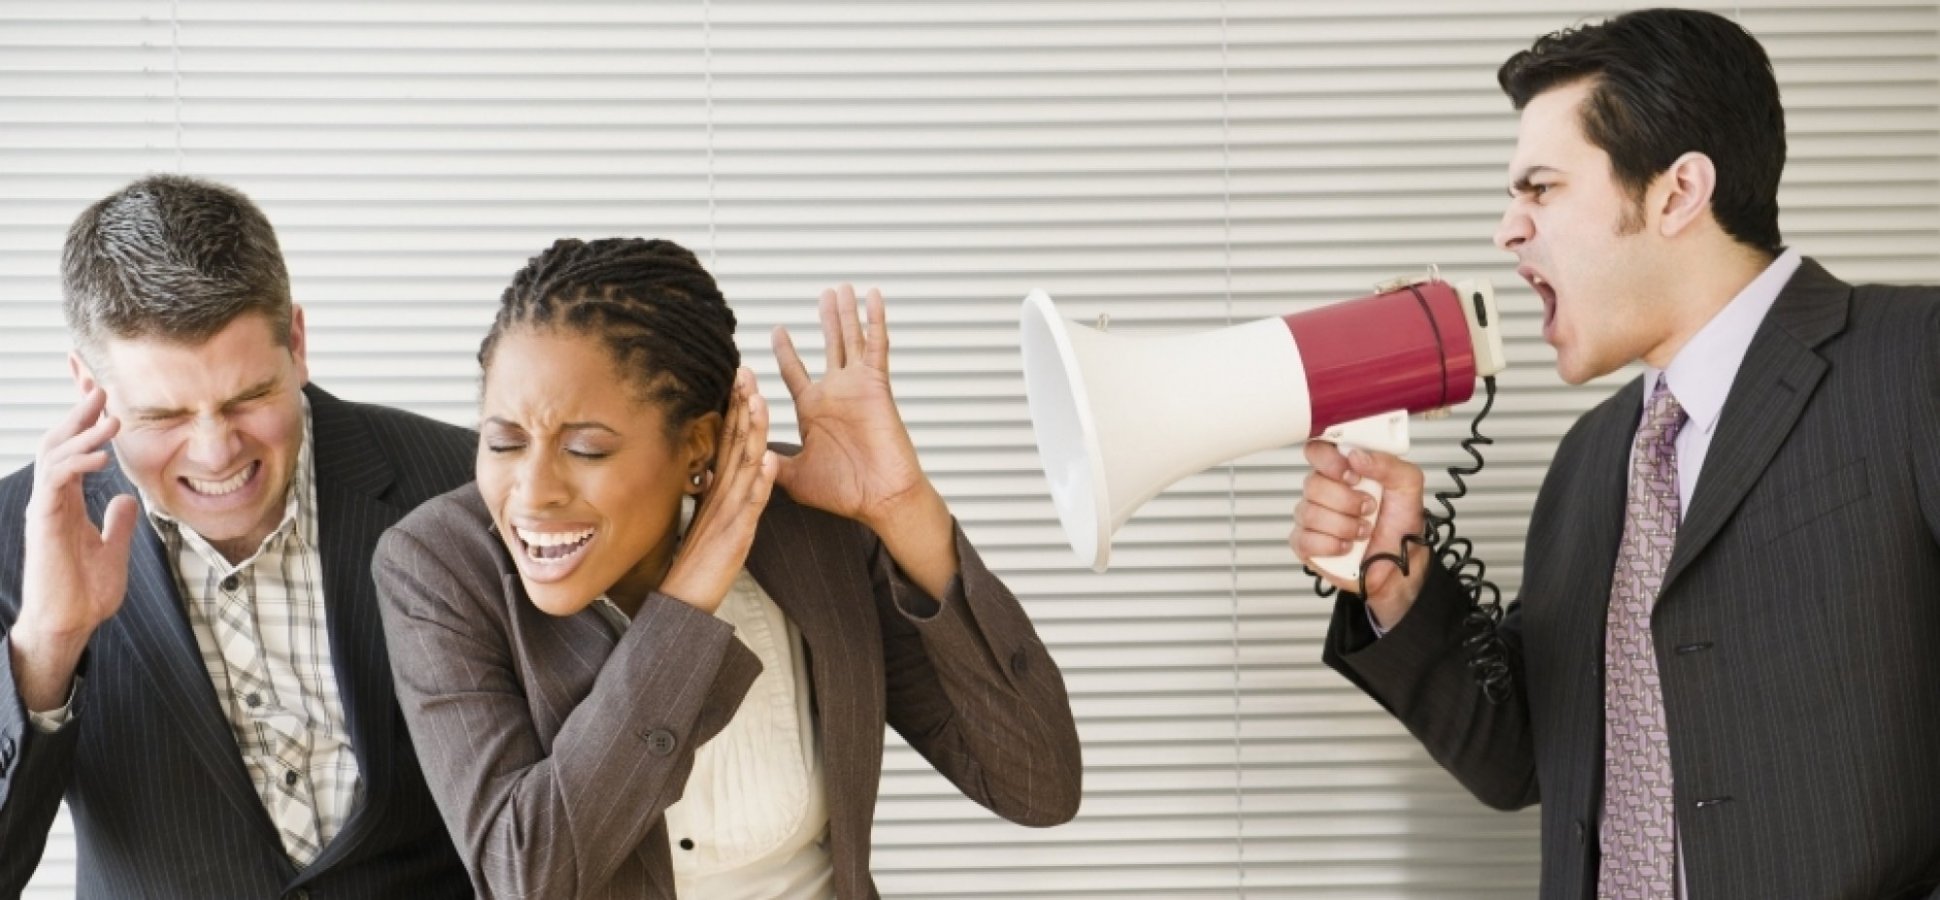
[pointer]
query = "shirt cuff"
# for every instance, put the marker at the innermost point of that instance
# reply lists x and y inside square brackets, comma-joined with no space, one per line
[54,719]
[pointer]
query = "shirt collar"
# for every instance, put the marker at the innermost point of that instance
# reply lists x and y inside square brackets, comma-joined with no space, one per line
[297,503]
[1702,372]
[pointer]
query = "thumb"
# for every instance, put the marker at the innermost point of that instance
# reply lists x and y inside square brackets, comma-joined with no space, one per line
[1396,475]
[118,525]
[787,469]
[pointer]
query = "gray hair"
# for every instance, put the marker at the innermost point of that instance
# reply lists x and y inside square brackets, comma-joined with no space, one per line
[175,258]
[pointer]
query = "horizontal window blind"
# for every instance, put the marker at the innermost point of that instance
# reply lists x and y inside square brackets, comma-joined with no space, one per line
[1177,166]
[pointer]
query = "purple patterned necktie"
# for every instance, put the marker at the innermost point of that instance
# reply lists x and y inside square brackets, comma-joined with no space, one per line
[1638,841]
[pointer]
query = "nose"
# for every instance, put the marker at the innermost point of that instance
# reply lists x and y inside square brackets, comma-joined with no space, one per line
[1514,229]
[213,445]
[540,486]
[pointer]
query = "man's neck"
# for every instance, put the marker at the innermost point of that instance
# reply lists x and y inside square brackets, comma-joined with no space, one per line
[1697,287]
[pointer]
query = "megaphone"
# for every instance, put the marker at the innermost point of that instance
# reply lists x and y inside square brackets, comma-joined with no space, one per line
[1119,418]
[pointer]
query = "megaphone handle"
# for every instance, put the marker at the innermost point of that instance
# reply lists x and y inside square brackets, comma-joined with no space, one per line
[1347,566]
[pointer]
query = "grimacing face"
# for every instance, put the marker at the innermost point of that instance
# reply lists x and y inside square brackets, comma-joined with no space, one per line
[1585,244]
[582,479]
[210,432]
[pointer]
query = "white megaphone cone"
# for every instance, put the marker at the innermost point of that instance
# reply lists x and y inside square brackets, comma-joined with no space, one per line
[1120,418]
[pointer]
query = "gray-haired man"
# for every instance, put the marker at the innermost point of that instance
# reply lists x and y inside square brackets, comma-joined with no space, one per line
[203,673]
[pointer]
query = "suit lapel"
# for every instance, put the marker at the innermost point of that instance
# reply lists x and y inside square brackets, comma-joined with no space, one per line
[352,476]
[157,628]
[1773,385]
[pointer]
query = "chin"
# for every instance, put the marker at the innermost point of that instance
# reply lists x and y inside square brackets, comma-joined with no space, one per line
[556,599]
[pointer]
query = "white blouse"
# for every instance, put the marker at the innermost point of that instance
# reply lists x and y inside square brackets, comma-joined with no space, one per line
[753,821]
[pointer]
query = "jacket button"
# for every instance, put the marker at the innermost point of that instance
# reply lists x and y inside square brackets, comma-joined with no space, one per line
[1019,663]
[660,742]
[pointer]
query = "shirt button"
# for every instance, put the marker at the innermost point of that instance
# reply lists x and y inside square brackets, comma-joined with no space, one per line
[686,843]
[254,700]
[660,742]
[289,777]
[231,583]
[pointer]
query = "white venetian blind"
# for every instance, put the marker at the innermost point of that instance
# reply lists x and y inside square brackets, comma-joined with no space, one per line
[1177,165]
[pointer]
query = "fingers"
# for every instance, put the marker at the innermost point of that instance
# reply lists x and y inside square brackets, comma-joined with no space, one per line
[755,442]
[1330,516]
[875,340]
[52,480]
[80,416]
[833,351]
[744,438]
[764,480]
[733,431]
[845,313]
[793,373]
[1330,460]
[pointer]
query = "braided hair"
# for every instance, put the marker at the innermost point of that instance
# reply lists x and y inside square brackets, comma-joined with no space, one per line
[661,315]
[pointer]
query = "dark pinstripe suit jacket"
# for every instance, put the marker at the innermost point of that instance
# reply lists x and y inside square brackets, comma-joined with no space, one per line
[552,747]
[149,767]
[1797,632]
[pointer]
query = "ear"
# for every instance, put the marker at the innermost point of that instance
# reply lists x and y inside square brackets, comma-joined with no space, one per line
[84,380]
[1686,188]
[299,345]
[699,439]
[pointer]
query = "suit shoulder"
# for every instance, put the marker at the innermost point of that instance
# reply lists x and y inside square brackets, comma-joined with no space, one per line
[15,489]
[1614,412]
[452,530]
[454,524]
[1895,312]
[429,457]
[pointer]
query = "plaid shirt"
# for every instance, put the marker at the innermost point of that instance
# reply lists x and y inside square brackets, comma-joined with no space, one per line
[269,660]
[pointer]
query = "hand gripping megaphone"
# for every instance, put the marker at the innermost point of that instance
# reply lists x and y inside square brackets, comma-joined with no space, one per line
[1119,418]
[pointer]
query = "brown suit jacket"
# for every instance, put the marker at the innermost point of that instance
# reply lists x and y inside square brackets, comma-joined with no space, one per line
[552,748]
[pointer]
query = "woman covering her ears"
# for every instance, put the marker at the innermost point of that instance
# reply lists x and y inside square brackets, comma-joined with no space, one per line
[645,655]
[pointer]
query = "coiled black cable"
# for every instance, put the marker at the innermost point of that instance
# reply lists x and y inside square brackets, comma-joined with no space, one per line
[1488,657]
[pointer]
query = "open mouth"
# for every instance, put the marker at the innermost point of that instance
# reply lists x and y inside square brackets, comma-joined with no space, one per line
[1545,292]
[553,550]
[223,487]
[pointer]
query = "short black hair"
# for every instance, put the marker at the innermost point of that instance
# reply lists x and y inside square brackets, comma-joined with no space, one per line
[660,314]
[1668,82]
[171,257]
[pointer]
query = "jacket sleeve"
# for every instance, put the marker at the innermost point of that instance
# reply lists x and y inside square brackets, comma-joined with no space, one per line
[35,769]
[1419,672]
[532,821]
[973,690]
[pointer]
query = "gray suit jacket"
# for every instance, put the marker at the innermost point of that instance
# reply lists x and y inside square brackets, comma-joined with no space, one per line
[1797,631]
[552,748]
[162,805]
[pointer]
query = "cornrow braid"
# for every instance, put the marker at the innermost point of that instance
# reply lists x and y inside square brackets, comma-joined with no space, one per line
[660,313]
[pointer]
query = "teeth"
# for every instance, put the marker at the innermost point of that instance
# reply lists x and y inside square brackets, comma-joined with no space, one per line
[552,538]
[219,488]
